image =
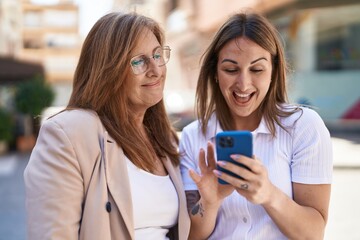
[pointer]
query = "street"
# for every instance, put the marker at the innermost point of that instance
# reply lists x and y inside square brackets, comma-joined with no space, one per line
[344,204]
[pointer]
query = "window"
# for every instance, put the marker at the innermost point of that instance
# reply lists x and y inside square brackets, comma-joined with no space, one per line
[338,39]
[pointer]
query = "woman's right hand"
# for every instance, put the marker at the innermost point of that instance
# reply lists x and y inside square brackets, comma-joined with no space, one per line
[211,192]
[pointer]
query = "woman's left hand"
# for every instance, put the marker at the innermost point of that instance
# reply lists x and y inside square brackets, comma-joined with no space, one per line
[255,185]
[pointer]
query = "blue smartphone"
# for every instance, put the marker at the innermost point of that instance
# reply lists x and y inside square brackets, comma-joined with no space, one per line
[233,142]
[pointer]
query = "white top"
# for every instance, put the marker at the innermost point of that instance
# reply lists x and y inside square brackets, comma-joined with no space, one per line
[304,155]
[155,203]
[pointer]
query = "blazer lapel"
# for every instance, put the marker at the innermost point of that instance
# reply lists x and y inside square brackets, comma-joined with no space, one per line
[118,181]
[184,221]
[119,186]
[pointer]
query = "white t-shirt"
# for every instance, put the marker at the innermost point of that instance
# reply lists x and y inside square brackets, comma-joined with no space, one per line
[155,203]
[304,155]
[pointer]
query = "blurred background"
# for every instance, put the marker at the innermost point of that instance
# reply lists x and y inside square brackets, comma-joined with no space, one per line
[40,43]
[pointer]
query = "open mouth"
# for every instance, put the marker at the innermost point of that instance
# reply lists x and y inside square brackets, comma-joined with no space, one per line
[243,97]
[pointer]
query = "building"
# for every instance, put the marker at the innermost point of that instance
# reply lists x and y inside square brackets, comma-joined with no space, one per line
[10,27]
[12,69]
[322,49]
[324,55]
[50,36]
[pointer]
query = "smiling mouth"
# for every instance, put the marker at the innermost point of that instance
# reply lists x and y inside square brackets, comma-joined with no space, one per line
[242,97]
[152,84]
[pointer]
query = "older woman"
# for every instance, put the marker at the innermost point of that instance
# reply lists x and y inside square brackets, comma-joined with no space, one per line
[107,167]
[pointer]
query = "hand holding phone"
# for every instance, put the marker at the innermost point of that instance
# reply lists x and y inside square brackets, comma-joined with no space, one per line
[233,142]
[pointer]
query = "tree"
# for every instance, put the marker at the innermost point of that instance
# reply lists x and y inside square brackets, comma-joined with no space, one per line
[6,126]
[31,97]
[6,130]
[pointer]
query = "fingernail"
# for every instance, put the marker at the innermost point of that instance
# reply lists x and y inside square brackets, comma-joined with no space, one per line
[217,173]
[221,163]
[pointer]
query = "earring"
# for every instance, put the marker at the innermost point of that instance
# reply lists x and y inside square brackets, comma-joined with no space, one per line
[216,80]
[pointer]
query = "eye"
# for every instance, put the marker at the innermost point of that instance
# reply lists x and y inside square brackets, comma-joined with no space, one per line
[256,70]
[139,61]
[231,70]
[157,56]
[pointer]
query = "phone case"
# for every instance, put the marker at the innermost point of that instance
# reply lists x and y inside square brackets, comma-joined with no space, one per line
[233,142]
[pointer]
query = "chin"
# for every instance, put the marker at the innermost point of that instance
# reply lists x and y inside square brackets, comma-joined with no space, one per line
[157,101]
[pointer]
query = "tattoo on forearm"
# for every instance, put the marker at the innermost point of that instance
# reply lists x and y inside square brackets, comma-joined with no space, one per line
[192,197]
[198,209]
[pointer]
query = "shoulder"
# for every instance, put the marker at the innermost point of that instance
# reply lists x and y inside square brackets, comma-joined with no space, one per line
[75,124]
[192,127]
[191,135]
[74,119]
[302,116]
[305,123]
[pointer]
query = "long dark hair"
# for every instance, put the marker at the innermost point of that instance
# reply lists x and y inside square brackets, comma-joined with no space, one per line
[100,85]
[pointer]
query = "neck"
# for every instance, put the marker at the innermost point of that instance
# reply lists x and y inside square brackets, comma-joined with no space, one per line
[249,123]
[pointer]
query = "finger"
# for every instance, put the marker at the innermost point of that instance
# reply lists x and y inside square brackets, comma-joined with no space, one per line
[239,170]
[210,156]
[202,162]
[234,181]
[244,160]
[257,166]
[254,164]
[194,176]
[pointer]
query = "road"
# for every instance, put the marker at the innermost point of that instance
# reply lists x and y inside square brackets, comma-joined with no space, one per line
[344,205]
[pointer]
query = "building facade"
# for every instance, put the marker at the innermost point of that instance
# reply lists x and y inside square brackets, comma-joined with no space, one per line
[322,49]
[50,36]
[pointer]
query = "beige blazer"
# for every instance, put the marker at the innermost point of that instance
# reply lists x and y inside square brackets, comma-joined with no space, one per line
[74,170]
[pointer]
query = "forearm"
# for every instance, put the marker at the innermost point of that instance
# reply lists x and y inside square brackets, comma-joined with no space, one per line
[294,220]
[203,219]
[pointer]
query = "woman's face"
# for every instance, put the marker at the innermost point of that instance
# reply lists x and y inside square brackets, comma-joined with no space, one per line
[244,75]
[146,88]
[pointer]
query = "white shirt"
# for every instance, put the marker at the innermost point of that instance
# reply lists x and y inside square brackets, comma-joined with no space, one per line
[304,155]
[155,203]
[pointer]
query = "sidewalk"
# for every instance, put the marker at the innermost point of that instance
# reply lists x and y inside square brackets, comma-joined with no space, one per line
[346,150]
[12,192]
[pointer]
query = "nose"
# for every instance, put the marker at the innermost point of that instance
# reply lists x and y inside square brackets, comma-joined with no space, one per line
[243,81]
[154,68]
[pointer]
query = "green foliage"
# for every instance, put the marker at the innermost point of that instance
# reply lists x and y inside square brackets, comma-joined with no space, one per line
[33,96]
[6,126]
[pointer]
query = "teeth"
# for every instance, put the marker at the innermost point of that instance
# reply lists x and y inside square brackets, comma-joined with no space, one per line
[242,95]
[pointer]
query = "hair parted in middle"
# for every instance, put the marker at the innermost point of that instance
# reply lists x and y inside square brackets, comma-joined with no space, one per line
[209,98]
[100,83]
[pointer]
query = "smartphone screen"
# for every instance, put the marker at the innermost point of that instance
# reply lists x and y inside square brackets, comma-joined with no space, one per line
[233,142]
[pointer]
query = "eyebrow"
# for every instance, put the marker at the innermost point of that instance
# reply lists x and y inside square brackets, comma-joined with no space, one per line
[262,58]
[143,54]
[235,62]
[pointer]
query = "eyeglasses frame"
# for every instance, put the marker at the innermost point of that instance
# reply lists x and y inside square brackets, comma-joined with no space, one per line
[148,59]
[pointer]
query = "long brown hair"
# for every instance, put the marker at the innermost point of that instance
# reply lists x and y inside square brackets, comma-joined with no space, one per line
[209,98]
[100,85]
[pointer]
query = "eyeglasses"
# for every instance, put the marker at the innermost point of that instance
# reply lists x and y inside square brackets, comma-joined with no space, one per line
[140,63]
